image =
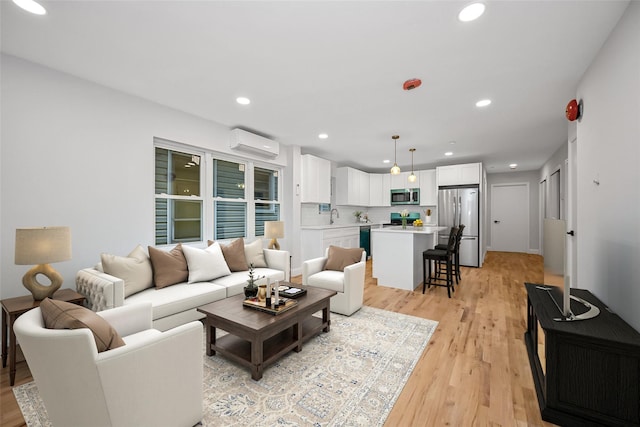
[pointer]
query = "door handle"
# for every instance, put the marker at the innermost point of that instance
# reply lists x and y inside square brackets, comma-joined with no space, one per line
[496,222]
[571,233]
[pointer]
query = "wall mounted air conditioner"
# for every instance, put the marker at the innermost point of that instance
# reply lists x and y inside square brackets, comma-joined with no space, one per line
[251,143]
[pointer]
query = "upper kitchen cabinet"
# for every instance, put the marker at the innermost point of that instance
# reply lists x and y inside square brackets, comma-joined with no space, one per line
[315,180]
[402,181]
[428,187]
[379,189]
[352,187]
[468,173]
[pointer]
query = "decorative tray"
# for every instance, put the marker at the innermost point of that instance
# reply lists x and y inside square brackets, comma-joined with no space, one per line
[261,305]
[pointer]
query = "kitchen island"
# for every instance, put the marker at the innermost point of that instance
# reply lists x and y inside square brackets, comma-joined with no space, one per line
[397,262]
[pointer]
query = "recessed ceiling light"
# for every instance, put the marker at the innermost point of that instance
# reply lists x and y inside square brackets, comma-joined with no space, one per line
[386,161]
[449,153]
[483,103]
[471,12]
[323,136]
[513,165]
[31,6]
[243,101]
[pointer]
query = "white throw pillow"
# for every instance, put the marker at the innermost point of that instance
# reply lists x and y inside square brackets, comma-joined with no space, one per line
[205,264]
[135,269]
[255,254]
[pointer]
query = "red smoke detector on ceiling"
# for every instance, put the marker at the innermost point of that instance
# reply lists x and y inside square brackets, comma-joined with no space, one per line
[411,84]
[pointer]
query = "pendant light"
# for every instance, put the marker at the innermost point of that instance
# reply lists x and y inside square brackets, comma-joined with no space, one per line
[412,177]
[395,170]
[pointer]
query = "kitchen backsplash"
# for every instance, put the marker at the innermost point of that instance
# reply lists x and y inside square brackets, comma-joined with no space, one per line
[310,214]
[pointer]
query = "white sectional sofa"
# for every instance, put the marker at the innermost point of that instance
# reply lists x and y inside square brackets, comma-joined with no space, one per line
[175,304]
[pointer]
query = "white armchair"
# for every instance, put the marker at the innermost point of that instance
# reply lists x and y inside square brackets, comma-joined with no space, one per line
[349,284]
[155,379]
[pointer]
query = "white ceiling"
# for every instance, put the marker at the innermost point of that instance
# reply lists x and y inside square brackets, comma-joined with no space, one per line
[338,67]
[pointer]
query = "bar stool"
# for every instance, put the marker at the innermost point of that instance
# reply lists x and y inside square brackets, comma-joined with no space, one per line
[439,256]
[456,253]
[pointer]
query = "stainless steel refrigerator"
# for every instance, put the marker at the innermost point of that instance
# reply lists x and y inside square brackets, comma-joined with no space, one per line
[461,205]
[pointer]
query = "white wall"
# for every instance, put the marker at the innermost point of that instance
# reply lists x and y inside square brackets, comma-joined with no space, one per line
[79,154]
[608,138]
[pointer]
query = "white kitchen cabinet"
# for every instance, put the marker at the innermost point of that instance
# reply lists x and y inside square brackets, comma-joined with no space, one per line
[315,181]
[470,173]
[316,241]
[364,187]
[379,189]
[428,187]
[352,187]
[463,174]
[402,181]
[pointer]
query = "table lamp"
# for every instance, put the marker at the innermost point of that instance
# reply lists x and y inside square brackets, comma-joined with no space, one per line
[41,246]
[273,230]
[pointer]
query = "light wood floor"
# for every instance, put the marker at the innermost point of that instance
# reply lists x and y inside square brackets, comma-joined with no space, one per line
[475,370]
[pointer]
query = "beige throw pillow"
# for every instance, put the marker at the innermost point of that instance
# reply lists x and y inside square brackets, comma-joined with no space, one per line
[205,264]
[234,255]
[135,269]
[339,258]
[65,315]
[255,254]
[169,268]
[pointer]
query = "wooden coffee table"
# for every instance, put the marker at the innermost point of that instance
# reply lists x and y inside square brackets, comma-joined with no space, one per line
[256,339]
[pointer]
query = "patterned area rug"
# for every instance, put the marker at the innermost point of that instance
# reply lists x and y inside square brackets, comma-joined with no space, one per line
[351,376]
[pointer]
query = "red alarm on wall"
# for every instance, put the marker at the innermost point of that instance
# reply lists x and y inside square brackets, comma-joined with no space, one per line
[573,110]
[411,84]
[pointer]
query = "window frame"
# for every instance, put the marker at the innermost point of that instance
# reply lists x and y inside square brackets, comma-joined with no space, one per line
[207,198]
[177,148]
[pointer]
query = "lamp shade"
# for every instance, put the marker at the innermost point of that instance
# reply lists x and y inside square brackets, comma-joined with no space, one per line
[42,245]
[274,229]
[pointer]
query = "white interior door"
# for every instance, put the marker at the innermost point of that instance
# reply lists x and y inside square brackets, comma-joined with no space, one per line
[510,217]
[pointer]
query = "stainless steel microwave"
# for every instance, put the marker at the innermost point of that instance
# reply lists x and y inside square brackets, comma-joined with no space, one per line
[405,196]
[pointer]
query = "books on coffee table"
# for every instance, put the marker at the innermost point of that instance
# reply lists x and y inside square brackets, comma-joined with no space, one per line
[293,292]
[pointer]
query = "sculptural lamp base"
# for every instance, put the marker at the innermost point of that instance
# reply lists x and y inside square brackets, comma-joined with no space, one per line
[37,289]
[273,244]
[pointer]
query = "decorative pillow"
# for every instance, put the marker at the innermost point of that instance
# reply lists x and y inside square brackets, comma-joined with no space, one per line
[255,254]
[205,264]
[135,269]
[169,268]
[339,258]
[65,315]
[234,255]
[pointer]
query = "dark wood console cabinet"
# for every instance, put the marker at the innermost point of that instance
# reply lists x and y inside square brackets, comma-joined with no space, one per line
[587,372]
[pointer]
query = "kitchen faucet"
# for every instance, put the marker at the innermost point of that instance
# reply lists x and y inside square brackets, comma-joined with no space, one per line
[331,215]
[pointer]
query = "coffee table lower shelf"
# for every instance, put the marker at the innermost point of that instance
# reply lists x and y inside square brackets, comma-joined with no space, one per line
[256,339]
[239,349]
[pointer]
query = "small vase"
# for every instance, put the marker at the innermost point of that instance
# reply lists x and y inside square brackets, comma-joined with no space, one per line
[251,290]
[404,223]
[427,219]
[262,292]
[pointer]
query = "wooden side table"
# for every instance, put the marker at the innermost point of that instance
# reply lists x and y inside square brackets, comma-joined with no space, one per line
[12,308]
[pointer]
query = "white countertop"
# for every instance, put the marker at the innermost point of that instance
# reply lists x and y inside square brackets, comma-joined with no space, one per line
[427,229]
[334,226]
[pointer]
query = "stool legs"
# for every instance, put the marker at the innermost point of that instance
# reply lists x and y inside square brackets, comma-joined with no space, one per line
[427,277]
[424,274]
